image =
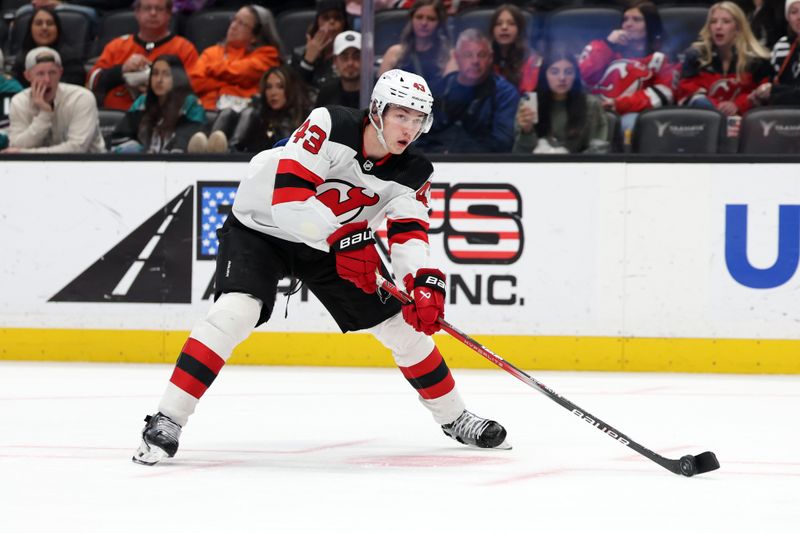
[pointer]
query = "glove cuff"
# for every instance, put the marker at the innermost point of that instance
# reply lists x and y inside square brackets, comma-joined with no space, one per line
[353,236]
[432,278]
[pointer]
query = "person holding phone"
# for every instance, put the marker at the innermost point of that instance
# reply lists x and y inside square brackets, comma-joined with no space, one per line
[565,119]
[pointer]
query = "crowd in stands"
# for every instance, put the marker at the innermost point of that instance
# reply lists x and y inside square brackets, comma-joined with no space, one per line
[529,76]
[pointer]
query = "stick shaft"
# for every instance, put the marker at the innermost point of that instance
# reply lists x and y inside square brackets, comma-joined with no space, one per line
[670,464]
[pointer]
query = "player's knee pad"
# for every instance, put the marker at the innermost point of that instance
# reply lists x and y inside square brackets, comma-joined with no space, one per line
[230,321]
[408,346]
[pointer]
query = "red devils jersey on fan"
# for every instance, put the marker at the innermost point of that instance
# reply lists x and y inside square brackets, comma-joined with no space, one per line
[708,80]
[321,180]
[529,73]
[634,84]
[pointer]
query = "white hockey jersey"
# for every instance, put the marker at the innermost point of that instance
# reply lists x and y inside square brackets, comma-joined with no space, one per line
[321,179]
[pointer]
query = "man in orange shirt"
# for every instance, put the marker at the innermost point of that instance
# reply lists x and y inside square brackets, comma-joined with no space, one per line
[120,74]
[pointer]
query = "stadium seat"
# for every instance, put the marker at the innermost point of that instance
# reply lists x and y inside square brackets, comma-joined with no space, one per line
[572,28]
[115,24]
[389,25]
[770,130]
[76,27]
[3,35]
[678,130]
[292,26]
[662,3]
[211,116]
[206,28]
[225,121]
[109,118]
[614,136]
[9,6]
[682,25]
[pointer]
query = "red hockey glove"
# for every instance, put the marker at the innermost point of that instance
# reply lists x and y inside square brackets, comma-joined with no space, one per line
[428,291]
[356,256]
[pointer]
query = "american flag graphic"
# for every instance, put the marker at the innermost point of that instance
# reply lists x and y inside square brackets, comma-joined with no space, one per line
[215,202]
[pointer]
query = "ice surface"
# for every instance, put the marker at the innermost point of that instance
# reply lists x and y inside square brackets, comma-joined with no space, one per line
[278,449]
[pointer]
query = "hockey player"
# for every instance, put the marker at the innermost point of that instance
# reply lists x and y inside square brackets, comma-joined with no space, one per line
[306,210]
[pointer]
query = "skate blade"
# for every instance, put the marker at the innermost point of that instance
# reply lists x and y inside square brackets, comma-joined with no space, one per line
[505,445]
[148,455]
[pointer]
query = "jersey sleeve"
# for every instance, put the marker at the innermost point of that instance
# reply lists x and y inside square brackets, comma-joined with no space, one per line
[658,90]
[407,224]
[303,165]
[593,61]
[692,82]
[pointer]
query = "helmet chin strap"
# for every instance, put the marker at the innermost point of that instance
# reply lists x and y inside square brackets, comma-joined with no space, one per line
[379,130]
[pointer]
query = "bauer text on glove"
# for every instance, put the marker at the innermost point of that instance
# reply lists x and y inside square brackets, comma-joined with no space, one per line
[356,256]
[427,289]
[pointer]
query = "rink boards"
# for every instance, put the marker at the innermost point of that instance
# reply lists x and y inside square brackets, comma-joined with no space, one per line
[601,266]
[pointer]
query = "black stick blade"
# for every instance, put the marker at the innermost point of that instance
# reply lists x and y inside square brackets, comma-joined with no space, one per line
[706,462]
[691,465]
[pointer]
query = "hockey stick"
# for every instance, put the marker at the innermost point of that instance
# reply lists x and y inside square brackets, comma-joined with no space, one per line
[688,465]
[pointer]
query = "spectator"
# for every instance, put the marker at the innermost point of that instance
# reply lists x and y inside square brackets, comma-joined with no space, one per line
[58,5]
[227,74]
[354,8]
[165,117]
[766,19]
[44,29]
[627,70]
[474,111]
[568,119]
[121,72]
[314,61]
[8,88]
[784,88]
[513,57]
[52,117]
[722,69]
[277,111]
[451,7]
[424,46]
[345,89]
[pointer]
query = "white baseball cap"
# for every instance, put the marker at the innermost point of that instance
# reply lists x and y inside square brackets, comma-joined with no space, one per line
[40,55]
[345,40]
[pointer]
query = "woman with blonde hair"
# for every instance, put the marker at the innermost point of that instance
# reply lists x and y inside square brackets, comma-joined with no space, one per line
[725,66]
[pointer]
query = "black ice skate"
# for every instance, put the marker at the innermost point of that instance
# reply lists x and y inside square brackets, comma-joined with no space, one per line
[159,440]
[473,430]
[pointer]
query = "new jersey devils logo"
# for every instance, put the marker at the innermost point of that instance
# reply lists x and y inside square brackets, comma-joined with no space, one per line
[345,200]
[622,78]
[724,89]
